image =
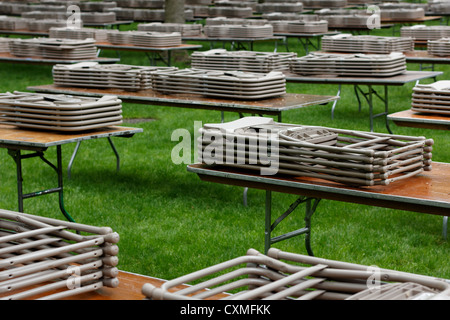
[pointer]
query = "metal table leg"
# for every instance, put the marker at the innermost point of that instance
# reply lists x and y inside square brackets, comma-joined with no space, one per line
[75,151]
[444,227]
[311,206]
[17,155]
[335,101]
[369,99]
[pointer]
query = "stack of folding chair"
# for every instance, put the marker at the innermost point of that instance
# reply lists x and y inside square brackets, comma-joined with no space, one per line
[100,35]
[432,98]
[59,112]
[423,32]
[249,61]
[93,74]
[439,47]
[270,6]
[374,65]
[186,30]
[320,26]
[4,45]
[48,259]
[221,84]
[366,44]
[343,156]
[238,31]
[280,275]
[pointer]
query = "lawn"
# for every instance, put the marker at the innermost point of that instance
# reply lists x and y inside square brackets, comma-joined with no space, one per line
[171,223]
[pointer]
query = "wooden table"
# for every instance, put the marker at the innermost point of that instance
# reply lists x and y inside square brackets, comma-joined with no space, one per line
[17,140]
[409,118]
[149,51]
[370,82]
[272,106]
[425,193]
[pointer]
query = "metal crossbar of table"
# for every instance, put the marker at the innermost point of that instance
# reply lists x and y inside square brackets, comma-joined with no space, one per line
[424,193]
[272,106]
[370,82]
[36,143]
[149,51]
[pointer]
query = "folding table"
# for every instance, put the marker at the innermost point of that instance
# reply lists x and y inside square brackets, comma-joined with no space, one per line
[273,106]
[425,193]
[17,140]
[357,82]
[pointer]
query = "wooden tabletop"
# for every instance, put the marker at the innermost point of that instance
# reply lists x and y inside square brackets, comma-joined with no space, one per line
[398,80]
[427,192]
[128,47]
[15,136]
[409,118]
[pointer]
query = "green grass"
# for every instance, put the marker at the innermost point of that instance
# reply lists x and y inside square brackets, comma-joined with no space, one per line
[171,223]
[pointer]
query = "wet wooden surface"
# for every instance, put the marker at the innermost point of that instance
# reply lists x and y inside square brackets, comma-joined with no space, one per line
[428,192]
[409,118]
[12,135]
[275,105]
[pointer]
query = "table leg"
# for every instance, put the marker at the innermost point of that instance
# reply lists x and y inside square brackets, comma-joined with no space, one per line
[16,154]
[311,206]
[444,227]
[369,99]
[75,151]
[72,159]
[113,147]
[335,101]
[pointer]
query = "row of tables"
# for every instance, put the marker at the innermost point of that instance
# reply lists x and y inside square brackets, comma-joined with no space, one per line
[426,193]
